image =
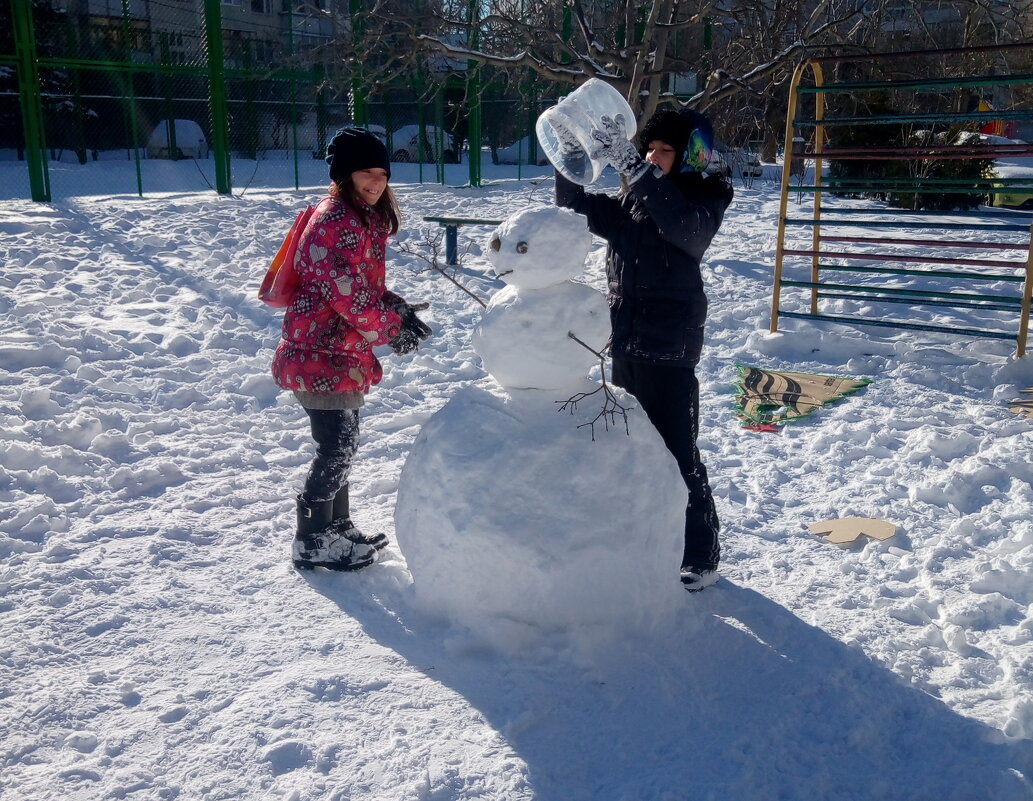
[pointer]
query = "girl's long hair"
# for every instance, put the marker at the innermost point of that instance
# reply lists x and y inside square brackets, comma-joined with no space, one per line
[386,208]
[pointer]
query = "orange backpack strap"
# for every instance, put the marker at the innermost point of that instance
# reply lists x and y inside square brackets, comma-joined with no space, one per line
[281,282]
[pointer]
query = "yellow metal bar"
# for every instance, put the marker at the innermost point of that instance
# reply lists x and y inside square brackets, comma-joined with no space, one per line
[783,205]
[1027,293]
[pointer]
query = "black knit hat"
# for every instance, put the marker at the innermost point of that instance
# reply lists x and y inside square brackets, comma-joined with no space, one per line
[354,149]
[668,126]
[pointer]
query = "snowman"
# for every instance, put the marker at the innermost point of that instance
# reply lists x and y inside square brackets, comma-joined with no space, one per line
[521,522]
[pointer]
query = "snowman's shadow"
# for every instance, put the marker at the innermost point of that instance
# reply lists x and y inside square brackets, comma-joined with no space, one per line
[740,700]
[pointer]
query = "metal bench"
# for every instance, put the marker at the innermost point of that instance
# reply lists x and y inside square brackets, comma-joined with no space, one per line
[451,226]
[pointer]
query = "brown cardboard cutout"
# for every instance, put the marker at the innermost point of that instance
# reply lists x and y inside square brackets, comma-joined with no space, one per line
[1024,406]
[848,529]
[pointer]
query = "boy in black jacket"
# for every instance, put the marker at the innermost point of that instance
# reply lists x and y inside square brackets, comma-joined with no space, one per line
[658,229]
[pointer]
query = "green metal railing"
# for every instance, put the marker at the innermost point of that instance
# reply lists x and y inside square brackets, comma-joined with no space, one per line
[935,278]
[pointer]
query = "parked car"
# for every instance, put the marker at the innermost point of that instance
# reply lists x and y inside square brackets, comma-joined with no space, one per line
[718,164]
[741,161]
[404,144]
[1013,167]
[520,152]
[190,142]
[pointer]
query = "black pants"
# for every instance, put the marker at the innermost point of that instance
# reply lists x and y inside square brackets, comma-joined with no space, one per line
[670,398]
[336,432]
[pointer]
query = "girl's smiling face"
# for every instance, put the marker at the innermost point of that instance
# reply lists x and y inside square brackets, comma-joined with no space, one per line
[661,154]
[370,184]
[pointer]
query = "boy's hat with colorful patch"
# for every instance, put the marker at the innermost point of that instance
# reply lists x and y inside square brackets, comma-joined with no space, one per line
[688,132]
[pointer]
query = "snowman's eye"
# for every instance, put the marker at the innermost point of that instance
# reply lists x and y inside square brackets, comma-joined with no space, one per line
[521,247]
[496,244]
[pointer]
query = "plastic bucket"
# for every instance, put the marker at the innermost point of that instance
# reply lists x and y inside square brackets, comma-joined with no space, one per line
[565,130]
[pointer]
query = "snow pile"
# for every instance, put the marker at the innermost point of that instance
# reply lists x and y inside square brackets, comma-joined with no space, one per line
[553,534]
[523,517]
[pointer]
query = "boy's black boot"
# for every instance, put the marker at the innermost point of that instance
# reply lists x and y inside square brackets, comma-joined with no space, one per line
[343,524]
[318,544]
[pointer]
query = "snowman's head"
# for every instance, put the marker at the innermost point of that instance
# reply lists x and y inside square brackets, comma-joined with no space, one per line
[536,248]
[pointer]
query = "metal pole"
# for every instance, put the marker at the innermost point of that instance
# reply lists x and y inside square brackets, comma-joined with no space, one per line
[784,201]
[30,101]
[819,144]
[217,95]
[170,109]
[360,106]
[1027,294]
[439,125]
[473,99]
[473,90]
[293,92]
[130,94]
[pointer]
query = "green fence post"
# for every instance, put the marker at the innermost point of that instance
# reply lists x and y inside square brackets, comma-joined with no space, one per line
[129,93]
[473,93]
[322,118]
[421,124]
[250,143]
[473,98]
[358,99]
[78,112]
[170,106]
[217,95]
[289,4]
[30,101]
[439,124]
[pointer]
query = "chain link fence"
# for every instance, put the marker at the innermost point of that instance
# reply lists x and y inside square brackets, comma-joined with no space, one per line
[141,96]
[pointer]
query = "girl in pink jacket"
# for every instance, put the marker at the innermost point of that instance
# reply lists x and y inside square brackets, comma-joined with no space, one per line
[341,311]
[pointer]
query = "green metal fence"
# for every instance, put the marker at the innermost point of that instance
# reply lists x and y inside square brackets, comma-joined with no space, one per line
[175,84]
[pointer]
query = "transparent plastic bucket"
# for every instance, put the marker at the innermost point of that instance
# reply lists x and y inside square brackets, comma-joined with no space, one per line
[565,130]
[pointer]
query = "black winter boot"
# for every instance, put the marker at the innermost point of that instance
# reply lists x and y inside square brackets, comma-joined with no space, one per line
[318,544]
[342,523]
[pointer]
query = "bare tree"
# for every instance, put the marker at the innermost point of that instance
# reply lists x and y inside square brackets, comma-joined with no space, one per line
[744,51]
[745,47]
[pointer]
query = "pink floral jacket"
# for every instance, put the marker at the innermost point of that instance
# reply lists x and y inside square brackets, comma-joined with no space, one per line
[342,308]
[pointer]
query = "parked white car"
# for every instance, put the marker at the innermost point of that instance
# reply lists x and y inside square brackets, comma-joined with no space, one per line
[738,161]
[404,144]
[189,138]
[718,165]
[1018,167]
[520,152]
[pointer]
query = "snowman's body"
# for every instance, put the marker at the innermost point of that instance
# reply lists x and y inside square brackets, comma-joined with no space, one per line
[523,338]
[516,522]
[540,319]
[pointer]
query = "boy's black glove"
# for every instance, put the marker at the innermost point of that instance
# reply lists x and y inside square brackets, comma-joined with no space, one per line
[413,330]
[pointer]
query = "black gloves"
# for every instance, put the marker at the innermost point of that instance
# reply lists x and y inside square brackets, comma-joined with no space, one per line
[413,329]
[405,341]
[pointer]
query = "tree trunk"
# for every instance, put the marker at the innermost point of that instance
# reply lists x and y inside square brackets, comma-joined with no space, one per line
[774,125]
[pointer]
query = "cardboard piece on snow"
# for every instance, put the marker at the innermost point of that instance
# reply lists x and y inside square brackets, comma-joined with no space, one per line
[767,399]
[1023,406]
[848,529]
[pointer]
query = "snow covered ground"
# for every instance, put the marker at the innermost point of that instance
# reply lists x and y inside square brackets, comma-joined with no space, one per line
[155,642]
